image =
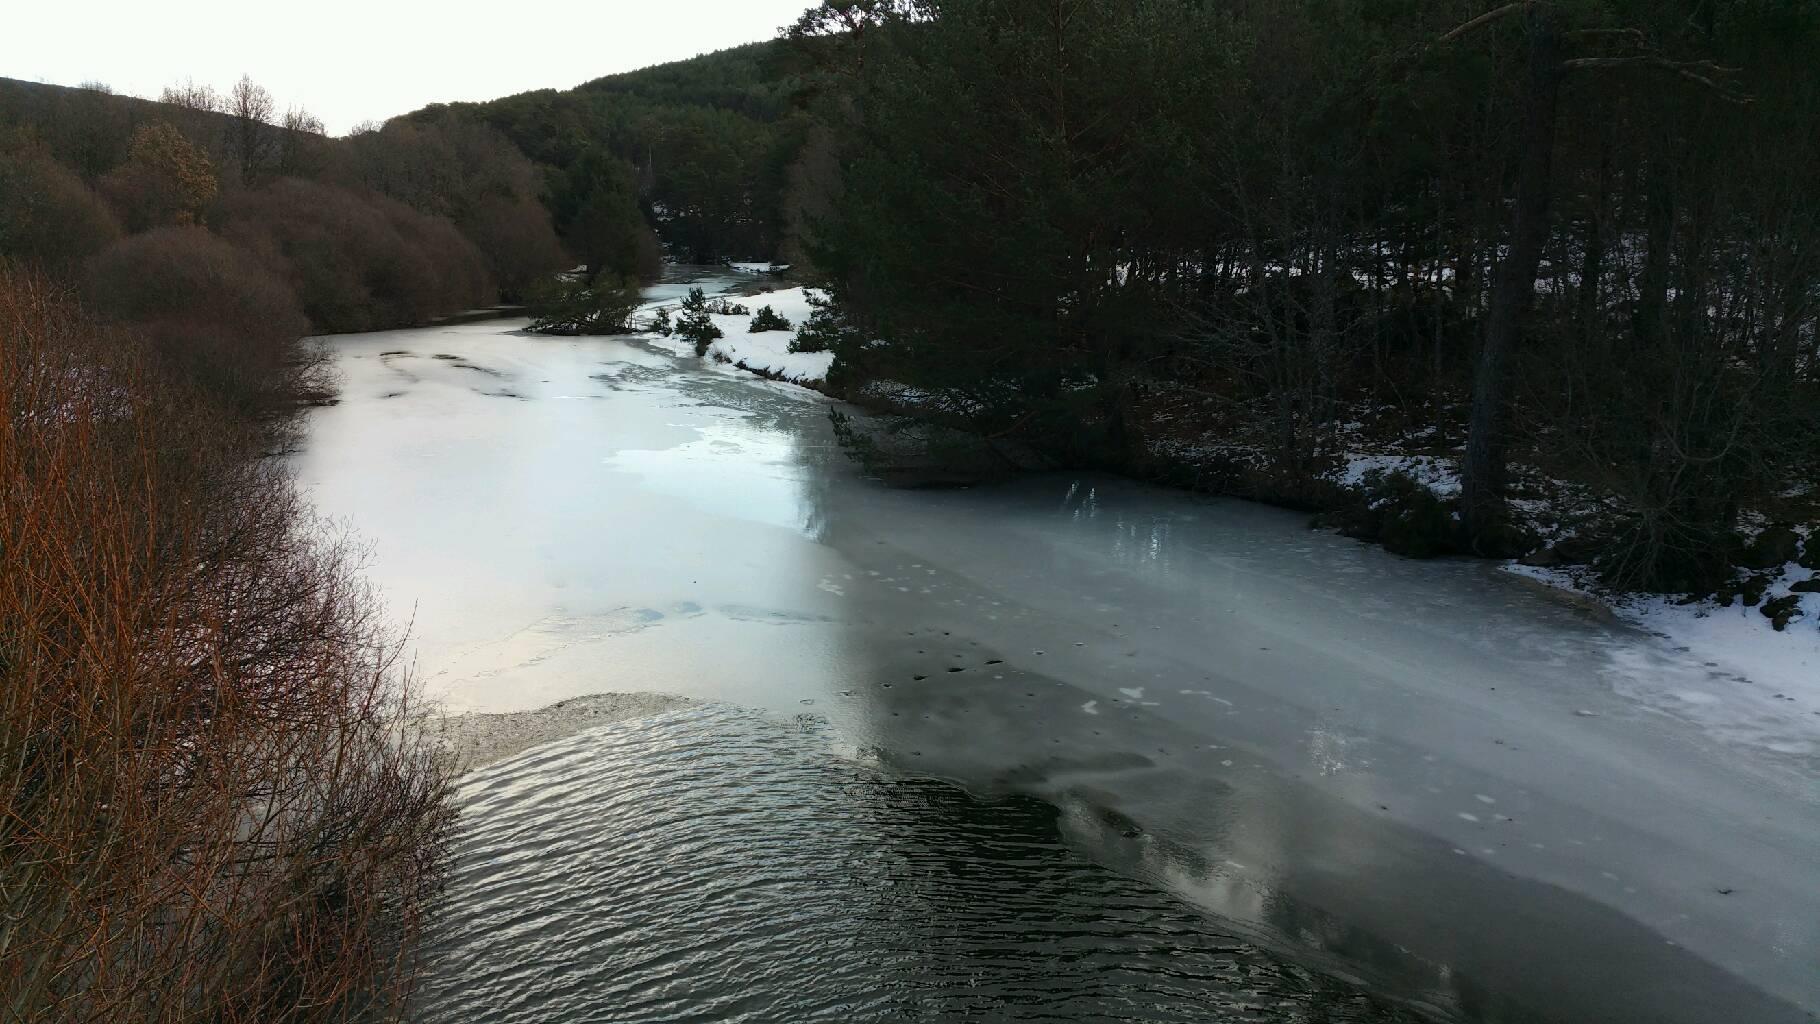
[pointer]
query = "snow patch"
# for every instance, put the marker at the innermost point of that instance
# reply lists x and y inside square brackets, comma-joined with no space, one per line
[1433,472]
[1724,668]
[767,353]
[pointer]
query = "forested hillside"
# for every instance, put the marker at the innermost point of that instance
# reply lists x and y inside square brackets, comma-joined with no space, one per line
[384,228]
[703,149]
[1549,268]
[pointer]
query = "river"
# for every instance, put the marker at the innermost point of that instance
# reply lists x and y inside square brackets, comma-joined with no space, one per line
[1067,748]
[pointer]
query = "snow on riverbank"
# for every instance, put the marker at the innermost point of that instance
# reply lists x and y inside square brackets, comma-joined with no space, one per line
[1730,671]
[767,353]
[1436,474]
[1737,642]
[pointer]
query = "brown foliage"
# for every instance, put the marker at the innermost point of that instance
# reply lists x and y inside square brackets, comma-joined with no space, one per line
[212,804]
[447,168]
[446,272]
[519,243]
[165,180]
[209,310]
[357,263]
[473,176]
[48,217]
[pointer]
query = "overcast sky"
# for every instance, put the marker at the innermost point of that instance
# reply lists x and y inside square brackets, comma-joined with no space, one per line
[353,60]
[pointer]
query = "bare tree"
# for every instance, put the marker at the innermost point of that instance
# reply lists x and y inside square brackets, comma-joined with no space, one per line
[215,802]
[301,129]
[251,136]
[191,96]
[297,119]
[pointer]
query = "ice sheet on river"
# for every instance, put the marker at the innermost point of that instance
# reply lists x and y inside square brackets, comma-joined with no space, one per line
[1403,770]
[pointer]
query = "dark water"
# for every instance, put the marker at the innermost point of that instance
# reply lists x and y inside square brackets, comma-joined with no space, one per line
[712,865]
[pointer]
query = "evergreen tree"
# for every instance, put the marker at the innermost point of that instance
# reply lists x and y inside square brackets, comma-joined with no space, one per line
[696,324]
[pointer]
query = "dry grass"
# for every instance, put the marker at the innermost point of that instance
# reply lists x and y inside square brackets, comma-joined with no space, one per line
[214,804]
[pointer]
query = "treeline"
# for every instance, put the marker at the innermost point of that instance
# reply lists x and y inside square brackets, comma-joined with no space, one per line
[228,229]
[1574,245]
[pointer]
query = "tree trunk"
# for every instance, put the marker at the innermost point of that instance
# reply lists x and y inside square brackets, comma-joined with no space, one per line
[1652,287]
[1513,290]
[1592,266]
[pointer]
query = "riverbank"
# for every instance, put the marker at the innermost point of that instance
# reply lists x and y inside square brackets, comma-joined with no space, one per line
[1383,481]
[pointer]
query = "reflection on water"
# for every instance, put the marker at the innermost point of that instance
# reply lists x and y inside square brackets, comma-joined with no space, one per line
[710,865]
[748,474]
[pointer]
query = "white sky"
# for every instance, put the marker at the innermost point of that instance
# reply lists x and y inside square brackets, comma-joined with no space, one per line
[349,61]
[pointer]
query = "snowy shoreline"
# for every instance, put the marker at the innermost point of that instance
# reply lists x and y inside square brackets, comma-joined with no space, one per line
[1738,640]
[767,353]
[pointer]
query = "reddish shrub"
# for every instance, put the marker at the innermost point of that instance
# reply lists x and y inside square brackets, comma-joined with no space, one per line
[447,272]
[212,802]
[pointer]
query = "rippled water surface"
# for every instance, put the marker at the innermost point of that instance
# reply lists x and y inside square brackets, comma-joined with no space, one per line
[713,865]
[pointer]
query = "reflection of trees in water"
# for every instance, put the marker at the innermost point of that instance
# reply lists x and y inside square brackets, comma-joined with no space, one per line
[988,910]
[1327,885]
[712,864]
[1264,908]
[1372,899]
[1131,536]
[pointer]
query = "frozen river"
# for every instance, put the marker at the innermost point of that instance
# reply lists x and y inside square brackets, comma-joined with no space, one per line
[1069,748]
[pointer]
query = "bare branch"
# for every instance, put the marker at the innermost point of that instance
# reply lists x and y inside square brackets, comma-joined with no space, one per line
[1698,71]
[1487,18]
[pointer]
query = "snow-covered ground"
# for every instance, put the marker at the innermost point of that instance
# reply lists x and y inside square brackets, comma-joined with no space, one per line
[767,353]
[1739,642]
[1760,675]
[1437,474]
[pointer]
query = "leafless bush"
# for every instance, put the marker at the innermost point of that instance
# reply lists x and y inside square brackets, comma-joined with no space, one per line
[519,243]
[357,263]
[48,217]
[210,311]
[446,272]
[213,805]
